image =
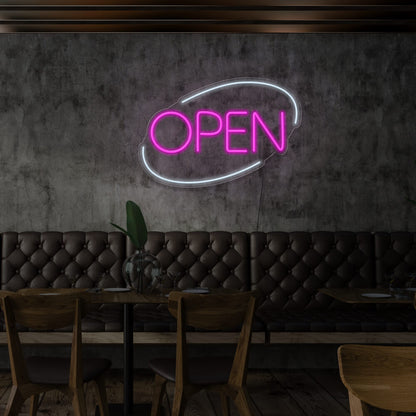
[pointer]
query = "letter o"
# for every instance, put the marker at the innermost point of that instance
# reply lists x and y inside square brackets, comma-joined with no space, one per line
[153,136]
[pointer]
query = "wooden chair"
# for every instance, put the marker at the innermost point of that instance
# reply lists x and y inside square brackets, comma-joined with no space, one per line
[35,375]
[226,375]
[381,376]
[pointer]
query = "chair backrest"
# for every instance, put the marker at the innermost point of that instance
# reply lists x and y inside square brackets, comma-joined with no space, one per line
[222,311]
[211,311]
[42,312]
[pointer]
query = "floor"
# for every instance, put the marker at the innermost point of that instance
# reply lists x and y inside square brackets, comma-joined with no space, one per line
[274,392]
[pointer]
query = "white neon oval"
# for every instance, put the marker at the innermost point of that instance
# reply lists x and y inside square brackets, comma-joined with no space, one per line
[247,82]
[231,175]
[209,181]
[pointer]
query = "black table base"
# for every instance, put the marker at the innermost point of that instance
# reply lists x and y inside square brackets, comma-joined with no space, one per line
[116,409]
[128,360]
[128,408]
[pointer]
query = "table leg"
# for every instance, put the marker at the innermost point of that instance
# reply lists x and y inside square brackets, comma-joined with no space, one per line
[128,359]
[127,408]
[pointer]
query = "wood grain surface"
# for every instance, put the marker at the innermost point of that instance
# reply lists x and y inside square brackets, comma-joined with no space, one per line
[273,393]
[355,295]
[246,16]
[383,376]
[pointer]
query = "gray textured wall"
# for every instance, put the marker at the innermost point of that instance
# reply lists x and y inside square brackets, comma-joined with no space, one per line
[74,107]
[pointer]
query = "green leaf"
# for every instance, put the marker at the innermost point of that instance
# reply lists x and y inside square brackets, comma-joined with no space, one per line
[121,229]
[136,225]
[411,200]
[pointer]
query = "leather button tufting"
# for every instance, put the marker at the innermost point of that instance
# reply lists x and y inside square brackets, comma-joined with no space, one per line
[17,246]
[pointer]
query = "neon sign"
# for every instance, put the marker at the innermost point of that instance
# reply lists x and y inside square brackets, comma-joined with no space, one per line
[186,132]
[256,121]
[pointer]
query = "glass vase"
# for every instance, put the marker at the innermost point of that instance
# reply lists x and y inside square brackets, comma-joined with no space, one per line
[141,271]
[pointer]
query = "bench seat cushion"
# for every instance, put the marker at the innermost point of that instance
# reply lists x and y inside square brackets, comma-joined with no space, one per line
[340,320]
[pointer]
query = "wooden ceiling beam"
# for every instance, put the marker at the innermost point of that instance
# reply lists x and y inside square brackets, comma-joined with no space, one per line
[247,16]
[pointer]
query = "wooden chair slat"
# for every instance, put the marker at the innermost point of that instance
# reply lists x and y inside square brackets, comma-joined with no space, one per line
[35,311]
[213,311]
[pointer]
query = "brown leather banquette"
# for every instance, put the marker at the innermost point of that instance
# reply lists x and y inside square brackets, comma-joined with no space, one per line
[286,269]
[289,268]
[53,259]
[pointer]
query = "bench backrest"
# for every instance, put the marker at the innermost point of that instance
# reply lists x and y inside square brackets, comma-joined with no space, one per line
[395,255]
[54,259]
[201,258]
[286,268]
[289,268]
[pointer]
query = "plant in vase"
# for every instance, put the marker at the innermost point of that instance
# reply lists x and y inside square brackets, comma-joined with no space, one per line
[141,269]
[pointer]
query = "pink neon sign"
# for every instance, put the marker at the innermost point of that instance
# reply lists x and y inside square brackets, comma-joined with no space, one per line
[156,120]
[219,133]
[224,127]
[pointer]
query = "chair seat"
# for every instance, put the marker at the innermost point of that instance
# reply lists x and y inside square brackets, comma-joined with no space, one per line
[381,376]
[202,371]
[394,393]
[55,370]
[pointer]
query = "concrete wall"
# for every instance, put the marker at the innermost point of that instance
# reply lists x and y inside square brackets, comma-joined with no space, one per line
[74,107]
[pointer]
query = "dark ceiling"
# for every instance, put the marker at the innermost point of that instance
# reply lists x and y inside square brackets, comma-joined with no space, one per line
[243,16]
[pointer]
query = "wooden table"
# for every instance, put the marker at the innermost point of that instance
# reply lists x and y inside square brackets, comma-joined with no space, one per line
[127,299]
[354,295]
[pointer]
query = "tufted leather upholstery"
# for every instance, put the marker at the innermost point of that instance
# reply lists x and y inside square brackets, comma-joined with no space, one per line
[199,258]
[52,259]
[289,268]
[395,255]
